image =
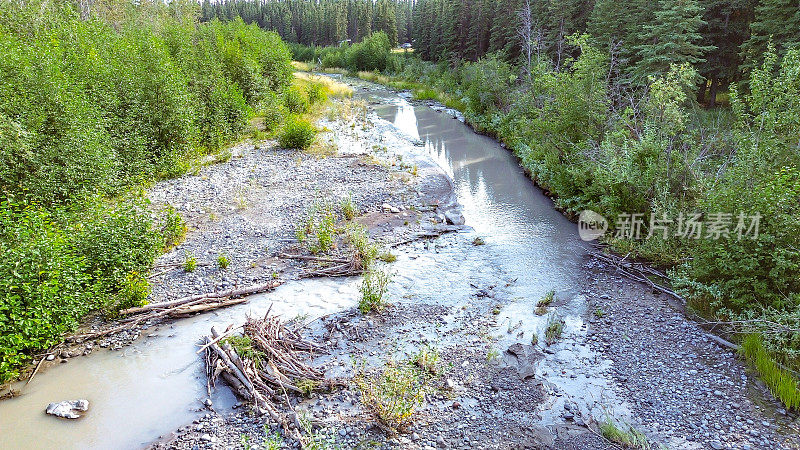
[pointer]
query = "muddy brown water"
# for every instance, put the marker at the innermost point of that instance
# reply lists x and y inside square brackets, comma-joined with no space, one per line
[157,384]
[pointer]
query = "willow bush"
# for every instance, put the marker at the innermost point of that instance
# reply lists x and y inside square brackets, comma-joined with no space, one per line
[90,109]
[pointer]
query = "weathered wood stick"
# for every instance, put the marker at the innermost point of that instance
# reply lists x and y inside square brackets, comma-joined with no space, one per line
[314,258]
[209,295]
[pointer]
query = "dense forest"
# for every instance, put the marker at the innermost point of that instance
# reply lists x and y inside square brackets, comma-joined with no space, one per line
[722,39]
[683,112]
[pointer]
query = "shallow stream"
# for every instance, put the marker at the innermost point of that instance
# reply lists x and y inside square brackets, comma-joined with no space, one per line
[157,384]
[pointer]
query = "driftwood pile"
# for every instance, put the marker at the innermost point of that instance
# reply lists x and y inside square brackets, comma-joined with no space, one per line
[270,369]
[177,308]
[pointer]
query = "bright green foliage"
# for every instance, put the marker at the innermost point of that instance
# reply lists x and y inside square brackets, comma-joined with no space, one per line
[371,54]
[630,438]
[781,383]
[133,292]
[296,100]
[45,285]
[189,262]
[223,262]
[173,228]
[297,133]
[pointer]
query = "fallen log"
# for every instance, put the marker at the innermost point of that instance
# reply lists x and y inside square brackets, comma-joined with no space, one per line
[209,295]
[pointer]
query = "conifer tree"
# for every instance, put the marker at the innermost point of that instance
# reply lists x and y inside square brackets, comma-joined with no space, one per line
[672,39]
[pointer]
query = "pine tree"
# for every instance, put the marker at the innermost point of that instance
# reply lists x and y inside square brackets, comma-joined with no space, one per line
[673,38]
[726,28]
[777,21]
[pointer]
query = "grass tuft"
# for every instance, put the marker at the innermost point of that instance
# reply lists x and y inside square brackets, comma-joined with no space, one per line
[779,381]
[373,289]
[554,330]
[631,438]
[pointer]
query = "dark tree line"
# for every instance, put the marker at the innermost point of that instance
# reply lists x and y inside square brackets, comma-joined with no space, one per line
[722,39]
[320,22]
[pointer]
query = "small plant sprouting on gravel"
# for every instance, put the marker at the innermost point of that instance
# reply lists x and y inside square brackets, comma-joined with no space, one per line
[190,263]
[318,229]
[307,386]
[492,355]
[318,440]
[631,438]
[349,208]
[173,228]
[599,313]
[223,262]
[387,257]
[555,327]
[394,395]
[534,339]
[357,236]
[373,288]
[547,299]
[427,359]
[540,310]
[273,441]
[478,241]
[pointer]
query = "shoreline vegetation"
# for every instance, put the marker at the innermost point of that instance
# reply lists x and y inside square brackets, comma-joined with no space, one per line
[146,93]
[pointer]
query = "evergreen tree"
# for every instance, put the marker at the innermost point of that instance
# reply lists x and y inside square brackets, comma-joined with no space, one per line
[672,39]
[777,21]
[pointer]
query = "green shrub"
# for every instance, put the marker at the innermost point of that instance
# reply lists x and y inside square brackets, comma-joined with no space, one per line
[296,100]
[297,134]
[173,228]
[133,292]
[118,240]
[316,93]
[373,53]
[394,395]
[45,285]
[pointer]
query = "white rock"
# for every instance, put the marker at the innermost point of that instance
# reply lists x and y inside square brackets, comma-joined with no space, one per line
[68,409]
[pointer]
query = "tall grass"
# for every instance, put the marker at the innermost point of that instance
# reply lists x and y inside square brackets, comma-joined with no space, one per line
[780,382]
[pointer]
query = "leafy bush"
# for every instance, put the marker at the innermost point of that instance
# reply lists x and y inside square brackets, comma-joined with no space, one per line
[373,53]
[133,292]
[394,395]
[118,240]
[45,285]
[296,100]
[297,134]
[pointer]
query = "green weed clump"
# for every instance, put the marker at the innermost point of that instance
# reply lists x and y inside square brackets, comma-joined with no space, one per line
[373,288]
[554,329]
[297,134]
[547,299]
[349,209]
[782,384]
[134,291]
[394,395]
[189,262]
[223,262]
[630,438]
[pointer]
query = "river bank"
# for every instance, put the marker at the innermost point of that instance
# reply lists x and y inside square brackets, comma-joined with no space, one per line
[624,354]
